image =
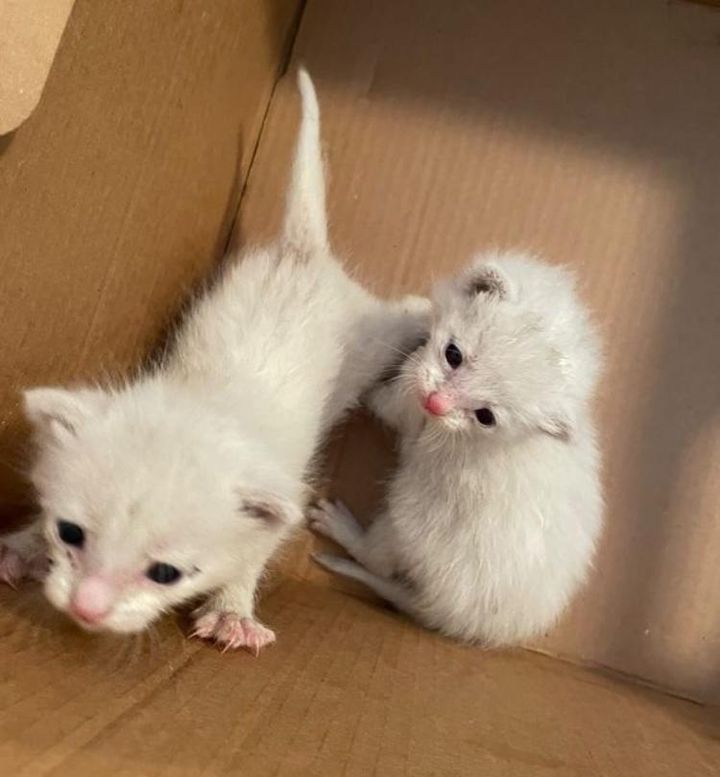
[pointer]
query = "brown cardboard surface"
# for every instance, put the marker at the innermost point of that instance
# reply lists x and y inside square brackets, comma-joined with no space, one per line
[30,32]
[119,191]
[589,132]
[349,689]
[448,126]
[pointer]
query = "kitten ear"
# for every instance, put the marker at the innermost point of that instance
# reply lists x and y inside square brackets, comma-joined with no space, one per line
[557,426]
[59,412]
[271,510]
[487,279]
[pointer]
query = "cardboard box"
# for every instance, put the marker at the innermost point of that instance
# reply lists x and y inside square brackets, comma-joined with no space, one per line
[586,131]
[30,32]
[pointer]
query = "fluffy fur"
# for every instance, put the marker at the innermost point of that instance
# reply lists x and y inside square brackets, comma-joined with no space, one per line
[202,464]
[491,520]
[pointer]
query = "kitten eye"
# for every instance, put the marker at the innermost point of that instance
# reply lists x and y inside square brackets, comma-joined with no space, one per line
[453,355]
[71,534]
[164,574]
[485,416]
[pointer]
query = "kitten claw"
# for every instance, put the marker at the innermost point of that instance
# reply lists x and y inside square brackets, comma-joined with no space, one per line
[231,631]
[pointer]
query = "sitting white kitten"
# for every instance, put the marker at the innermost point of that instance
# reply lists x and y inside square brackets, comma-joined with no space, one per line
[493,516]
[184,482]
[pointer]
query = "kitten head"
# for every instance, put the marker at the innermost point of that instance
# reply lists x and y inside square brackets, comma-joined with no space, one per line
[511,351]
[148,501]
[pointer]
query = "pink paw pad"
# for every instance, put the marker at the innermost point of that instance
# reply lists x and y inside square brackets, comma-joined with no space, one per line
[233,631]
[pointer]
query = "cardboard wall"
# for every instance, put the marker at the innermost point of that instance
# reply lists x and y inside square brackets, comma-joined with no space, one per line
[118,193]
[589,132]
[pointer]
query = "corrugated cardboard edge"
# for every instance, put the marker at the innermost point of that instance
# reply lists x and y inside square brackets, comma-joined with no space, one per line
[30,32]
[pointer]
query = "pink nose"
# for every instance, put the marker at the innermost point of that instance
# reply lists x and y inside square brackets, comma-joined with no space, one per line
[91,600]
[437,404]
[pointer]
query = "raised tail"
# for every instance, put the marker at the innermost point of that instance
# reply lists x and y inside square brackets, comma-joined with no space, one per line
[305,227]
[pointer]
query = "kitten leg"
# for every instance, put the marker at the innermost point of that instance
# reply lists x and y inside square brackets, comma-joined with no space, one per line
[389,590]
[227,618]
[334,520]
[370,548]
[377,340]
[23,555]
[390,403]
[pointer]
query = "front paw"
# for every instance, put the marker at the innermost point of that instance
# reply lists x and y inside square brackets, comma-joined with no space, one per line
[335,521]
[14,567]
[232,631]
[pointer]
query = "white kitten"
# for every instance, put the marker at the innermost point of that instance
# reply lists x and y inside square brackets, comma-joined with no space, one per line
[493,516]
[185,481]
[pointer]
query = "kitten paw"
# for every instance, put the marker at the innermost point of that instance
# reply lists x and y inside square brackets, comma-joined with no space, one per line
[233,631]
[14,567]
[335,521]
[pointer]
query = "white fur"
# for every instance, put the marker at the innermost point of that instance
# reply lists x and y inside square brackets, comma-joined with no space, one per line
[491,530]
[202,463]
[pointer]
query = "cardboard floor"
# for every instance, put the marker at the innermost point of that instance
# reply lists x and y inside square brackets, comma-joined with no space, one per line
[587,131]
[350,689]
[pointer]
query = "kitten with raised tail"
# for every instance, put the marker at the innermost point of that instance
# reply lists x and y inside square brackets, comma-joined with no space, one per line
[492,519]
[184,482]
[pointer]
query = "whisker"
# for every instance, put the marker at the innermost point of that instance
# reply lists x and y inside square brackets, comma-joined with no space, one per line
[391,347]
